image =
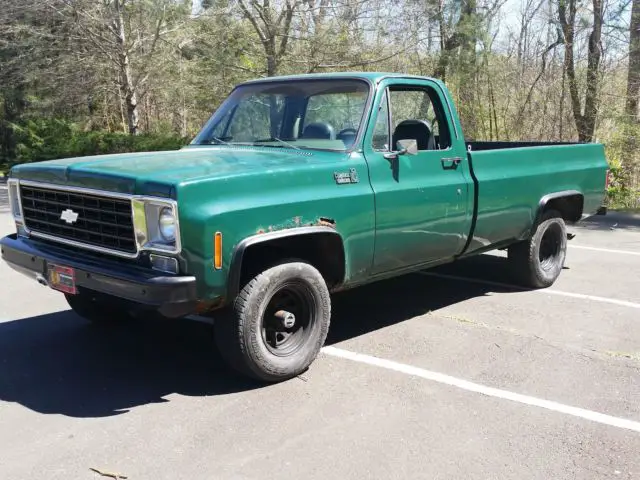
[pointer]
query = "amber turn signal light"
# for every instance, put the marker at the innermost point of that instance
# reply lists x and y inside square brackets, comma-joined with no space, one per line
[217,251]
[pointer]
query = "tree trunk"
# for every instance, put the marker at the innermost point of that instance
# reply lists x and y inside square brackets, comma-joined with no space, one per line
[467,67]
[464,36]
[633,76]
[447,44]
[126,80]
[272,65]
[585,123]
[451,44]
[131,100]
[593,73]
[562,95]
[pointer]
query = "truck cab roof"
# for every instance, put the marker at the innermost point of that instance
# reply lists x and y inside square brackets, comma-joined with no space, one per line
[372,77]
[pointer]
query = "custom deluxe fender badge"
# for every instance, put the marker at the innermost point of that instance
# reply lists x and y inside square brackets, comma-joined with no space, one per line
[346,177]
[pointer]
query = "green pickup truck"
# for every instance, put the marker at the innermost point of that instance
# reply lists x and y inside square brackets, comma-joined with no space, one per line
[296,187]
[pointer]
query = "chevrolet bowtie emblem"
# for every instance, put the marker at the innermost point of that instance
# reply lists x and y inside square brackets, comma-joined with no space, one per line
[69,216]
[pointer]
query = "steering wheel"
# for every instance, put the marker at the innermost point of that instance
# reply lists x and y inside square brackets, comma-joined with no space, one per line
[344,131]
[347,135]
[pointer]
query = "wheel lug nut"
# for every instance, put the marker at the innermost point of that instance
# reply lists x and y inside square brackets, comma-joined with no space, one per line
[287,319]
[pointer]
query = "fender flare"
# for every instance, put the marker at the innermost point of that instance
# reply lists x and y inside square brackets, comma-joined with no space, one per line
[548,198]
[235,269]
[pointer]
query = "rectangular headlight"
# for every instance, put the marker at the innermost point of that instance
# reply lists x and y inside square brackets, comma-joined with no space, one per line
[156,224]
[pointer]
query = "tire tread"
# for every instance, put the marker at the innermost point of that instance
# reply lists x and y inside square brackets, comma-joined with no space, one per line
[523,256]
[238,351]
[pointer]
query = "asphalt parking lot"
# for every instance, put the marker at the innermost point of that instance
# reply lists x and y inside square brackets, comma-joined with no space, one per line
[448,374]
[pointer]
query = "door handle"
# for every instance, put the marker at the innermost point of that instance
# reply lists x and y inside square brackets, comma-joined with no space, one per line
[450,163]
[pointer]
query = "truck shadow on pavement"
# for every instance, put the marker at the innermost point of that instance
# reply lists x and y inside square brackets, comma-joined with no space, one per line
[58,364]
[379,305]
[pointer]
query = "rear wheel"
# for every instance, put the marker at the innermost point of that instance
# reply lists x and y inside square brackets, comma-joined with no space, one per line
[277,324]
[98,309]
[537,262]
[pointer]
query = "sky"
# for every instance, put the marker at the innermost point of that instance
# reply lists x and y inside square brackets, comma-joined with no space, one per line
[510,18]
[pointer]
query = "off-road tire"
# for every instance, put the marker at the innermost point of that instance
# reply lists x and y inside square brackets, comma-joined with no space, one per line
[528,268]
[239,329]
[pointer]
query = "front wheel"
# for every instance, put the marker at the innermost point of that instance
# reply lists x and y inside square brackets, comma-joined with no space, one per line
[277,324]
[537,262]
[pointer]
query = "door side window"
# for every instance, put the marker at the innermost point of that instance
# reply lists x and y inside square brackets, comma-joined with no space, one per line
[381,130]
[417,114]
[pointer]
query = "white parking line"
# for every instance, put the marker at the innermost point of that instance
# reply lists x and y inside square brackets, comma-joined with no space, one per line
[606,250]
[549,291]
[483,389]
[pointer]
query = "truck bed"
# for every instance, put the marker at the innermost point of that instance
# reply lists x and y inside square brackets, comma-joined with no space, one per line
[511,178]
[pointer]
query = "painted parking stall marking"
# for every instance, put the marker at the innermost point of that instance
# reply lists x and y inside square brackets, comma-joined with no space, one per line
[606,250]
[622,303]
[483,389]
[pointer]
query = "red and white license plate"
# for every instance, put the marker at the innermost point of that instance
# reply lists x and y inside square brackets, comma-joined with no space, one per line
[62,279]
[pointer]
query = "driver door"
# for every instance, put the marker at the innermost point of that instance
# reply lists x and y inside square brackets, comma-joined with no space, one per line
[422,201]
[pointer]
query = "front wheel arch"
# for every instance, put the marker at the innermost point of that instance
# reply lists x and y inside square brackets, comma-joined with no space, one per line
[320,246]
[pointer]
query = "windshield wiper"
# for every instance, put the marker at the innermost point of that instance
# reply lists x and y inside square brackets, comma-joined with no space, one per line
[290,145]
[218,141]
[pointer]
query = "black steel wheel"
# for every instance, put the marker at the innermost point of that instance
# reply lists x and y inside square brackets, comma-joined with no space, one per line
[288,319]
[551,245]
[277,324]
[538,261]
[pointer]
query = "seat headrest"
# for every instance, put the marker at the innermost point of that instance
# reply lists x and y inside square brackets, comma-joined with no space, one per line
[420,130]
[319,130]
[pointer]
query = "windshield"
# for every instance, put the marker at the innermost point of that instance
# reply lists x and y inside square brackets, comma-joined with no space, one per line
[320,114]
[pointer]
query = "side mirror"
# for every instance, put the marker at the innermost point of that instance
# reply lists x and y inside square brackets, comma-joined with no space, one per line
[408,146]
[405,147]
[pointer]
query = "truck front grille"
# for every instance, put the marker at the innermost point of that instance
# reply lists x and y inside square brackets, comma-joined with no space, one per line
[101,221]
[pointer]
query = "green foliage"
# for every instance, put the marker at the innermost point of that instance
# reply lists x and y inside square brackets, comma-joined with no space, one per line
[623,153]
[47,139]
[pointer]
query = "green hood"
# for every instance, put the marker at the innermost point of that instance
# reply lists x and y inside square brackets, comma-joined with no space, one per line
[158,173]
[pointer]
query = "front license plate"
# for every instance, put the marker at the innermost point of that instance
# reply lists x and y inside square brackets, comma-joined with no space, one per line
[62,279]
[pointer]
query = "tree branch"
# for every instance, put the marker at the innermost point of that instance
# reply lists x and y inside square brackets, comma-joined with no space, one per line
[251,18]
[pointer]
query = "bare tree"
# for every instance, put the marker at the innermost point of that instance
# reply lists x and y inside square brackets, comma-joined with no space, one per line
[585,122]
[126,33]
[633,77]
[272,27]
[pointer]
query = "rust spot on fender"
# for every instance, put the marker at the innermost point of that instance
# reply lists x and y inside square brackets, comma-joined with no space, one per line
[326,222]
[205,306]
[298,221]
